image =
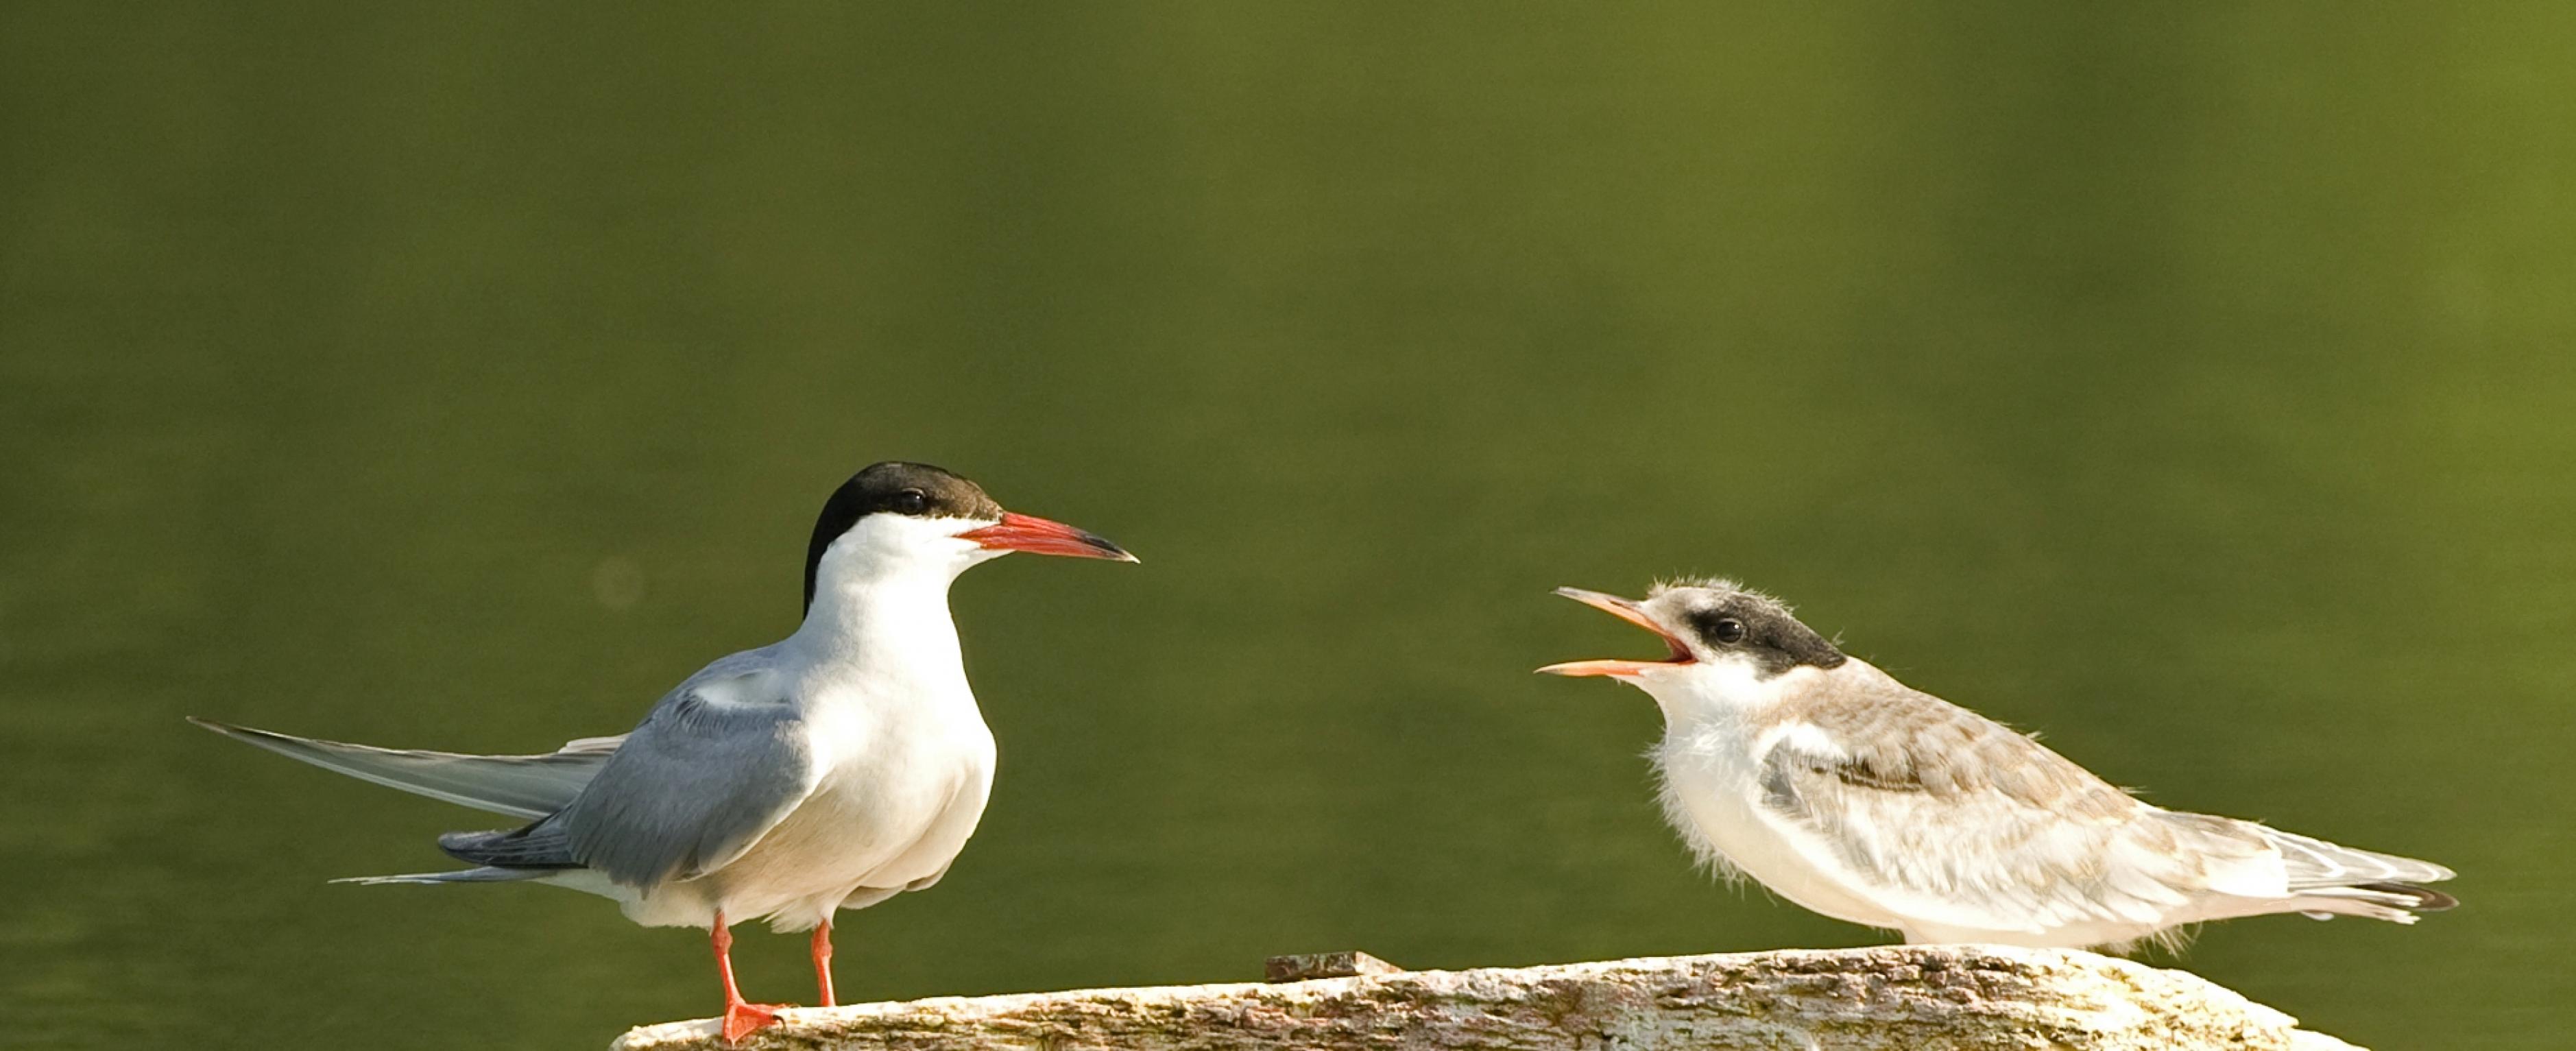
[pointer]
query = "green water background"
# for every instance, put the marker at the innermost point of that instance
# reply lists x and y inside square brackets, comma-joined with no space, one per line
[2192,383]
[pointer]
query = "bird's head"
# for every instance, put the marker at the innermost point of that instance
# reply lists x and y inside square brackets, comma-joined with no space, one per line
[1719,637]
[897,520]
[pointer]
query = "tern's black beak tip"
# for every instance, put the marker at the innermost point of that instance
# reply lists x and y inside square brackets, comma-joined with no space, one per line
[1106,549]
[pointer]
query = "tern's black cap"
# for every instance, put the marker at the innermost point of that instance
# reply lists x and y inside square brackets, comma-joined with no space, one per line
[896,488]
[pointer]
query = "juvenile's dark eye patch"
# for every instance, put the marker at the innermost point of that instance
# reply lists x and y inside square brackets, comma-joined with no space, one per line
[1718,628]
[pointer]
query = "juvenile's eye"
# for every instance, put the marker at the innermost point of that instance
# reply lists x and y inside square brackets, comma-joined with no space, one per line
[911,502]
[1727,630]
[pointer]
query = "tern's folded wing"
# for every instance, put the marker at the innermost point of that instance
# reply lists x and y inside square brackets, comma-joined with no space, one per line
[1949,818]
[707,774]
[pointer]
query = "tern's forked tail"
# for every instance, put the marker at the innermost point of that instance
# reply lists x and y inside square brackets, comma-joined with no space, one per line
[486,874]
[528,786]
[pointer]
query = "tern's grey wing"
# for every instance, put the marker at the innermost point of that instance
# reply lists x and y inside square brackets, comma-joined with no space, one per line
[718,763]
[528,786]
[1954,819]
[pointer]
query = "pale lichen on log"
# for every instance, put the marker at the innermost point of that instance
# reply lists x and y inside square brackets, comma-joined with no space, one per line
[1937,997]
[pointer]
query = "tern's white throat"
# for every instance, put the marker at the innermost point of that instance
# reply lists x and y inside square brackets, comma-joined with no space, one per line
[1724,688]
[881,597]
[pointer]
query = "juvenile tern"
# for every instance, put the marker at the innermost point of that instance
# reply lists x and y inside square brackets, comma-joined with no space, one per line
[832,770]
[1851,794]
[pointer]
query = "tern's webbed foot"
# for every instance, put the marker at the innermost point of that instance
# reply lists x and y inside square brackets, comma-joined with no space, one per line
[743,1019]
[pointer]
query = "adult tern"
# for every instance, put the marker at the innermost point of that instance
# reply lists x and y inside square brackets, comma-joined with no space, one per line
[831,770]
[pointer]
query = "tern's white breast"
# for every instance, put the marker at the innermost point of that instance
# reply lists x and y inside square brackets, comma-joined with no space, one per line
[1712,796]
[915,777]
[905,765]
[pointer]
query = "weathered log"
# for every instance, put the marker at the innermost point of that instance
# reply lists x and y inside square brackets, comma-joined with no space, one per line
[1942,997]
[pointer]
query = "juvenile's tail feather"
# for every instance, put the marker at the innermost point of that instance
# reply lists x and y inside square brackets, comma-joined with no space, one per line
[2395,906]
[526,786]
[2351,882]
[2315,863]
[2415,899]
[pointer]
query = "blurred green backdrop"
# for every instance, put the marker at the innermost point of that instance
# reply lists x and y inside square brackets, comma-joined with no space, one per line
[2191,383]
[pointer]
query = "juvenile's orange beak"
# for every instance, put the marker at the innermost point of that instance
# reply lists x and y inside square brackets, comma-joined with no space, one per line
[1627,610]
[1017,532]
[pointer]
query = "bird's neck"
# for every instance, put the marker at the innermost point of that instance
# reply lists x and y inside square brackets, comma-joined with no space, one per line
[887,628]
[1723,694]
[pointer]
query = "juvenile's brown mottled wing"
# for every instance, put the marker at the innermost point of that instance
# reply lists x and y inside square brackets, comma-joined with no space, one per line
[1953,819]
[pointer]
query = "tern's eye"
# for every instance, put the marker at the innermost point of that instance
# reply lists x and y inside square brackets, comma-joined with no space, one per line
[911,502]
[1726,631]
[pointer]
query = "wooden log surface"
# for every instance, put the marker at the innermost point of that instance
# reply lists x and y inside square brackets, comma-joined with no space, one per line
[1936,997]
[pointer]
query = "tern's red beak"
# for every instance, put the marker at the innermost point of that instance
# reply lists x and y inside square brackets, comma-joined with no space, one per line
[1627,610]
[1036,535]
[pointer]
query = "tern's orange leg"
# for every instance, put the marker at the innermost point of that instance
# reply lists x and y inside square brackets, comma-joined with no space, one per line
[741,1018]
[823,959]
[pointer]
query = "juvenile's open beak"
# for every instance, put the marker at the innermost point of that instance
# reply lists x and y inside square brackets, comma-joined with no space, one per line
[1017,532]
[1627,610]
